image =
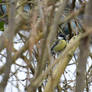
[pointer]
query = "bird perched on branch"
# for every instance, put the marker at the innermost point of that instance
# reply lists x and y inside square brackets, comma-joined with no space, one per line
[59,45]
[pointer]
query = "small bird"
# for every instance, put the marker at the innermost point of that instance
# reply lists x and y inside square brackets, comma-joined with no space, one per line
[59,45]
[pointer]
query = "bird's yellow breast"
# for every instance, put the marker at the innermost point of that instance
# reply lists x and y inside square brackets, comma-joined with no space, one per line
[60,46]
